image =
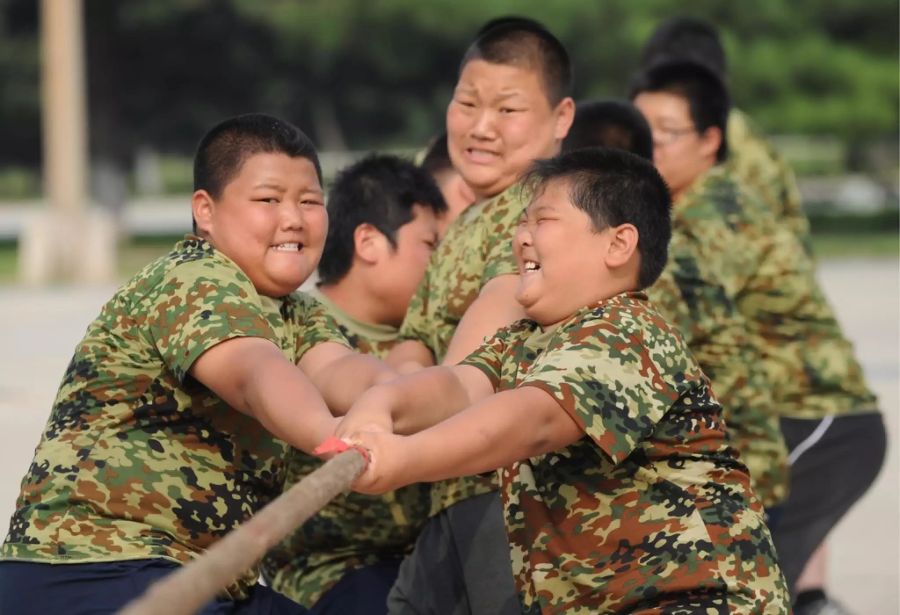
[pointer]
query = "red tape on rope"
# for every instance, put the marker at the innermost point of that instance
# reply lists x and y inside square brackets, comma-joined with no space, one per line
[335,445]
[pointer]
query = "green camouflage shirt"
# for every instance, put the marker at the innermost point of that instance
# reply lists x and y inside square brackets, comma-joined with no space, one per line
[354,530]
[757,165]
[810,365]
[651,508]
[476,249]
[138,459]
[709,263]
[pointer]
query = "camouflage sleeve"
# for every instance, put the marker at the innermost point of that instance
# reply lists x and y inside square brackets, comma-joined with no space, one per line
[605,379]
[489,357]
[198,305]
[315,325]
[498,233]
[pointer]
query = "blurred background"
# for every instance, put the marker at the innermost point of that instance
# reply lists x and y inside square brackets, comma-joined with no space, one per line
[820,77]
[103,101]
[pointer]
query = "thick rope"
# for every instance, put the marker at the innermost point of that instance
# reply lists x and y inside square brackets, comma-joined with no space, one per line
[188,589]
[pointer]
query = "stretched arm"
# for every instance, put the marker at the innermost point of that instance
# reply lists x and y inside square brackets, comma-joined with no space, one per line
[494,308]
[407,355]
[496,432]
[416,401]
[253,376]
[341,374]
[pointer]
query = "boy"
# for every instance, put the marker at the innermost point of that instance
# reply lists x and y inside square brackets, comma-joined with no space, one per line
[170,426]
[511,105]
[705,315]
[752,158]
[456,192]
[621,493]
[610,123]
[818,388]
[384,215]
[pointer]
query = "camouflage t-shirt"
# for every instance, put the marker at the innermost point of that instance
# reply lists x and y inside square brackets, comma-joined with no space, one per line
[138,459]
[709,264]
[651,508]
[760,167]
[354,530]
[476,249]
[809,363]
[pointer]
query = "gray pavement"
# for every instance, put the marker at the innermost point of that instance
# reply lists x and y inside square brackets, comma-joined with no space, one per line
[39,329]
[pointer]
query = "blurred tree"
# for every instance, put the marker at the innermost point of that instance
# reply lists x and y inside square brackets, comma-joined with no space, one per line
[361,74]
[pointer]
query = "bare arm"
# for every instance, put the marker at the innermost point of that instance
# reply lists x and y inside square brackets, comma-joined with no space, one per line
[409,353]
[253,376]
[341,374]
[494,308]
[417,401]
[495,433]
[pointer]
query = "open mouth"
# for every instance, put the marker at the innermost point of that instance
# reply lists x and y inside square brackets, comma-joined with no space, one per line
[288,247]
[530,266]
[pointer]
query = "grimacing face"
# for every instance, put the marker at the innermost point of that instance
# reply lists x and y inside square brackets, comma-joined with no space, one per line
[560,257]
[498,122]
[270,220]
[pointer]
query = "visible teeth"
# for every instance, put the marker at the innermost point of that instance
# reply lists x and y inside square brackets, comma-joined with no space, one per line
[287,247]
[531,266]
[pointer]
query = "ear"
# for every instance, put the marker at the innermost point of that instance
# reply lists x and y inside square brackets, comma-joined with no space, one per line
[622,245]
[203,208]
[565,115]
[369,244]
[710,140]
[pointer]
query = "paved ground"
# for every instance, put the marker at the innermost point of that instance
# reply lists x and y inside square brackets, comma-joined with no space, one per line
[39,328]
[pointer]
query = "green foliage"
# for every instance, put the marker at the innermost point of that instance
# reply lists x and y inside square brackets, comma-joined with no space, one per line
[363,74]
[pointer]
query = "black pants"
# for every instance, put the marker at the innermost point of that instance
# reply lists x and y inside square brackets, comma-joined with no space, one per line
[460,565]
[28,588]
[833,462]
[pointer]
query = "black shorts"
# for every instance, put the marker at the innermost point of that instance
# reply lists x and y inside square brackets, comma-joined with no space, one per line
[834,461]
[29,588]
[460,565]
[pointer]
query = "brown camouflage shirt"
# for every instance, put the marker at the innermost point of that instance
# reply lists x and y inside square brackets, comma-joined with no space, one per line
[138,459]
[476,249]
[354,530]
[651,508]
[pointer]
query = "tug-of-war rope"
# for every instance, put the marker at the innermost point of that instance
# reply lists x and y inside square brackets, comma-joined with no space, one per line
[188,589]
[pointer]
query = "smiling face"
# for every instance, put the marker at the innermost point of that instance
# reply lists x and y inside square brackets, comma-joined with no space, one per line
[681,153]
[270,220]
[562,259]
[499,121]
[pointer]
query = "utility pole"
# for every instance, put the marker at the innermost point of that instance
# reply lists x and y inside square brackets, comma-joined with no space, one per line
[67,241]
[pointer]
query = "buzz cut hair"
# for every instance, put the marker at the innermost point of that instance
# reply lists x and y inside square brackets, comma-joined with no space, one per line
[610,123]
[525,43]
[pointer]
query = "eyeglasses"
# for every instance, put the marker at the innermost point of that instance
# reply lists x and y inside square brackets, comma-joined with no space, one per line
[668,136]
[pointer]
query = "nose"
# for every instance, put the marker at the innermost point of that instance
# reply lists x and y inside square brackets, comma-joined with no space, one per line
[483,126]
[293,215]
[522,238]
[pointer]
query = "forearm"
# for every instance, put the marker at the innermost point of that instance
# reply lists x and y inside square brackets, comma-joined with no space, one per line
[409,352]
[287,404]
[499,431]
[426,398]
[345,379]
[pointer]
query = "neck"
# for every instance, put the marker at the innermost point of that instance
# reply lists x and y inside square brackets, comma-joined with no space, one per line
[350,295]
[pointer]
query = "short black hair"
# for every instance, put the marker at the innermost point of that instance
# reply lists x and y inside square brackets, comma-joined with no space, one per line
[437,157]
[615,187]
[227,146]
[379,190]
[526,43]
[610,123]
[705,93]
[684,37]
